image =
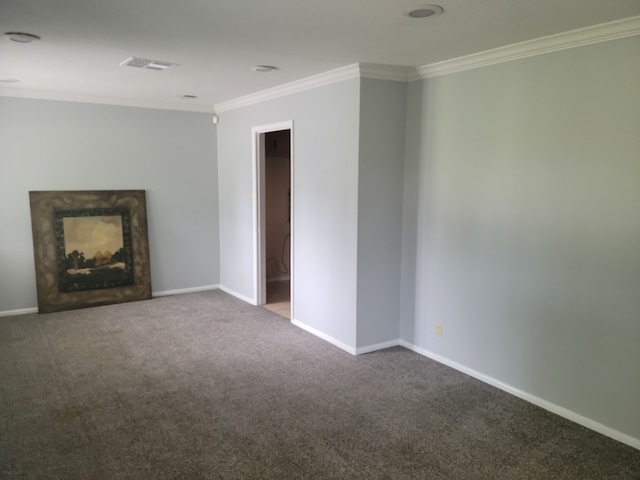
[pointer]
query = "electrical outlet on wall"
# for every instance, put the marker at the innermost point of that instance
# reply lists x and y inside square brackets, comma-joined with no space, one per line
[438,329]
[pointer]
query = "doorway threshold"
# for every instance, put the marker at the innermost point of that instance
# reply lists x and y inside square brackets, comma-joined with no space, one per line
[279,298]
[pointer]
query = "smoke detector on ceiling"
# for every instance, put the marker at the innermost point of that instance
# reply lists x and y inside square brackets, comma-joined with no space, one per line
[146,63]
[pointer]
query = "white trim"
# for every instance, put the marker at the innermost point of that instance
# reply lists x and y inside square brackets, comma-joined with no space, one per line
[357,70]
[257,174]
[324,337]
[259,201]
[164,293]
[377,346]
[233,293]
[181,291]
[292,207]
[386,72]
[97,99]
[21,311]
[315,81]
[551,407]
[575,38]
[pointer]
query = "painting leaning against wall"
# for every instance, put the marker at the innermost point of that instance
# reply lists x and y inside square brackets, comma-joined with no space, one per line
[90,248]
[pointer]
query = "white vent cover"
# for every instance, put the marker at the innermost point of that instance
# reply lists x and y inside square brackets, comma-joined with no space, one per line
[145,63]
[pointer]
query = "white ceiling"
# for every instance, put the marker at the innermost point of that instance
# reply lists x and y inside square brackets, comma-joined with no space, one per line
[216,42]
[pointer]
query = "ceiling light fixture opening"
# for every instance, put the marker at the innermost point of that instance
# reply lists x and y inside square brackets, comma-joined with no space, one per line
[21,37]
[9,80]
[264,68]
[424,11]
[188,97]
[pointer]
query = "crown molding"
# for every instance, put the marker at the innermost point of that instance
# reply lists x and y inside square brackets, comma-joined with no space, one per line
[386,72]
[327,78]
[575,38]
[357,70]
[122,102]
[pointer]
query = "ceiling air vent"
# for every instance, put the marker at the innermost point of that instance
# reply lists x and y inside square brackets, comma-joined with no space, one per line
[145,63]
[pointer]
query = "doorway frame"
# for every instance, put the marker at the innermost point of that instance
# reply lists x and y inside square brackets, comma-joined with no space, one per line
[259,212]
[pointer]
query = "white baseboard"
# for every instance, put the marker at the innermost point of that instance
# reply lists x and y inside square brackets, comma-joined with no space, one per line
[251,301]
[324,337]
[343,346]
[180,291]
[164,293]
[551,407]
[22,311]
[378,346]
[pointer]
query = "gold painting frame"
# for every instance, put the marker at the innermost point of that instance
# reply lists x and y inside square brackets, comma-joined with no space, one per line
[49,208]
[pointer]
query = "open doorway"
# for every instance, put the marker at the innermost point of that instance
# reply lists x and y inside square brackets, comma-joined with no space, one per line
[274,218]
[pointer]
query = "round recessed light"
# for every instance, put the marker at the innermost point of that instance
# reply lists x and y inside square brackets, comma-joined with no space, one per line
[263,68]
[21,37]
[424,11]
[9,80]
[188,97]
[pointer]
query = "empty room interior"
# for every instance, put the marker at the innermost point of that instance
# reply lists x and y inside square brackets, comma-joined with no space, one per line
[452,187]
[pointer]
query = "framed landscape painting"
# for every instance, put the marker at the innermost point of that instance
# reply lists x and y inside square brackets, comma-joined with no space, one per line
[90,248]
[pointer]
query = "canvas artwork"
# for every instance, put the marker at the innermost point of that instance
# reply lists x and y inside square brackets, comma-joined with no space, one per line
[90,248]
[94,250]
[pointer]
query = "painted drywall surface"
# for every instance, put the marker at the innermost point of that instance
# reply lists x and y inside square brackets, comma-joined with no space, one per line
[325,202]
[49,145]
[528,248]
[412,199]
[380,180]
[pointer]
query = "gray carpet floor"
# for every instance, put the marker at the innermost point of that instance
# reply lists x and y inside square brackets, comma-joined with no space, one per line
[204,386]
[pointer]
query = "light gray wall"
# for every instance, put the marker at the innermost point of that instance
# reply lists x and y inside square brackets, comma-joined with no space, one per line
[49,145]
[528,226]
[380,180]
[325,202]
[413,199]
